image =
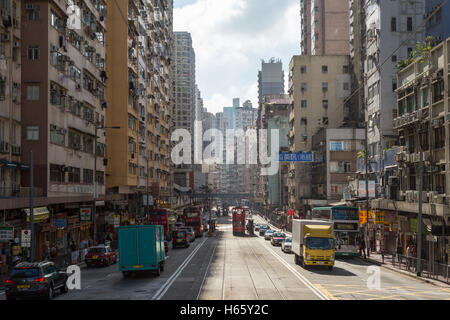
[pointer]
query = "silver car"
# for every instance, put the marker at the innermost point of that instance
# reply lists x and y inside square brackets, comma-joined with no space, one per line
[268,234]
[286,245]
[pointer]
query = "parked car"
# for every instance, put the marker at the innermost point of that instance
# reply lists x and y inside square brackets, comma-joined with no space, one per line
[277,238]
[100,256]
[28,279]
[286,245]
[263,229]
[268,234]
[180,239]
[257,226]
[190,232]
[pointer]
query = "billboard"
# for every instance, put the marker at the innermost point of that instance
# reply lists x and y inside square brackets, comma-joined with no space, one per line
[362,188]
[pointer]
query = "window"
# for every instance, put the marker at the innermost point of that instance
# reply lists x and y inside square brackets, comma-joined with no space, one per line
[100,177]
[304,121]
[410,50]
[33,53]
[394,84]
[394,58]
[57,95]
[409,24]
[303,69]
[57,135]
[75,74]
[33,92]
[325,104]
[303,86]
[74,140]
[74,175]
[439,137]
[393,24]
[56,173]
[345,69]
[325,121]
[33,14]
[33,133]
[324,69]
[324,86]
[88,176]
[346,86]
[2,89]
[304,103]
[88,144]
[425,97]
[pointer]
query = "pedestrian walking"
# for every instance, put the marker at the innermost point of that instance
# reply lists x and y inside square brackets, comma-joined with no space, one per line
[363,248]
[409,255]
[399,253]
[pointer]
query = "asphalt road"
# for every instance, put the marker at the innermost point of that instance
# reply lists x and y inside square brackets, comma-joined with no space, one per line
[225,267]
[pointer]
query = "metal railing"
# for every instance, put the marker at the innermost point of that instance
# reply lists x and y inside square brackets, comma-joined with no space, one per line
[430,269]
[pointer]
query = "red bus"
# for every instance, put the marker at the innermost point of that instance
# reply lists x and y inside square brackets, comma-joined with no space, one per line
[159,217]
[238,221]
[192,217]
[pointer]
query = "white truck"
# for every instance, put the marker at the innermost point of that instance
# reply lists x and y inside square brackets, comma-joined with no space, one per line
[313,243]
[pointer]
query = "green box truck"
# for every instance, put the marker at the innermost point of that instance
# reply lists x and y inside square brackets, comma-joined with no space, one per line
[141,248]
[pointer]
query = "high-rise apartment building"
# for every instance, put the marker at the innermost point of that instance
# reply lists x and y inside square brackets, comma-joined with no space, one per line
[325,27]
[388,24]
[140,99]
[270,79]
[185,97]
[437,26]
[318,86]
[10,99]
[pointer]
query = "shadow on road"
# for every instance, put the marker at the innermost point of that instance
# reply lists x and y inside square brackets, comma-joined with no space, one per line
[337,271]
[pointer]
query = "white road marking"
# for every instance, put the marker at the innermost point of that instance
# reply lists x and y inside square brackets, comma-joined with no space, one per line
[162,291]
[206,272]
[302,278]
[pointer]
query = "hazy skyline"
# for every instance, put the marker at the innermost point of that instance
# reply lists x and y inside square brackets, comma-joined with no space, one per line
[231,37]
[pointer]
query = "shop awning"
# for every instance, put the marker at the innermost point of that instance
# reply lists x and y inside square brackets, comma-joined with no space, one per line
[39,214]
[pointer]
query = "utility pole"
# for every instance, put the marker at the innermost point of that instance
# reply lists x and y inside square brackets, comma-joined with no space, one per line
[94,207]
[366,229]
[146,189]
[32,206]
[419,220]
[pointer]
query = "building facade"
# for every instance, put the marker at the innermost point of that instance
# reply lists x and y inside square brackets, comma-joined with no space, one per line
[140,100]
[325,27]
[335,151]
[388,24]
[318,86]
[422,123]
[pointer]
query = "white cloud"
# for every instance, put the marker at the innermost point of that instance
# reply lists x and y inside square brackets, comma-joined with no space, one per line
[230,38]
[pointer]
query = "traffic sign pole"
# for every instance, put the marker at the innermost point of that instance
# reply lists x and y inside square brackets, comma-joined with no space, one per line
[31,207]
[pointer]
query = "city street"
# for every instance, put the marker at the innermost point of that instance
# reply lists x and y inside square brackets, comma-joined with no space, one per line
[236,268]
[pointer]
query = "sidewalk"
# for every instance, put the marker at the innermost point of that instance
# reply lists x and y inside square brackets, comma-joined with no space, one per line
[377,258]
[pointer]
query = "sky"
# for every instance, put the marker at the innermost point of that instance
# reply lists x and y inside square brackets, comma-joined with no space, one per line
[230,37]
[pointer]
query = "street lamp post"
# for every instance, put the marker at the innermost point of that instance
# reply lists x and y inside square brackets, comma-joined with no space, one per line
[94,207]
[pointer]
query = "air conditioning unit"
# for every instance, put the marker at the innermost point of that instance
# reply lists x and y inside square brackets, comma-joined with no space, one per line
[439,199]
[409,196]
[17,44]
[416,196]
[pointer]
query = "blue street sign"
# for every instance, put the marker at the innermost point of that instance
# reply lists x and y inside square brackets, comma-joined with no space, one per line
[296,157]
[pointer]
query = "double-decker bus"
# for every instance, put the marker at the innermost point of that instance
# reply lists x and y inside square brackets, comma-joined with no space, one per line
[345,225]
[159,217]
[192,217]
[238,221]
